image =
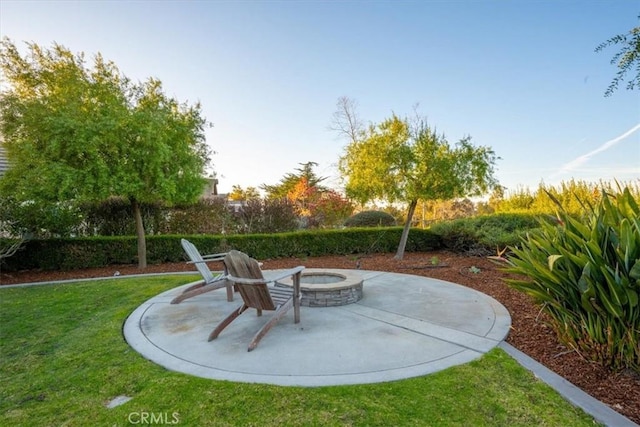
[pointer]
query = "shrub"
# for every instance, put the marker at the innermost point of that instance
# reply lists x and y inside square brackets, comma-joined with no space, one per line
[484,235]
[571,195]
[68,254]
[330,210]
[39,219]
[586,275]
[371,219]
[206,216]
[266,216]
[114,217]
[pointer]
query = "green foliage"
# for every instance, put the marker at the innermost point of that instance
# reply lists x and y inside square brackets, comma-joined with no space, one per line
[40,219]
[586,274]
[290,180]
[437,210]
[206,216]
[266,216]
[315,205]
[571,196]
[396,212]
[330,210]
[399,162]
[9,248]
[85,134]
[625,59]
[239,194]
[70,254]
[112,217]
[518,200]
[319,242]
[484,235]
[73,132]
[371,219]
[78,253]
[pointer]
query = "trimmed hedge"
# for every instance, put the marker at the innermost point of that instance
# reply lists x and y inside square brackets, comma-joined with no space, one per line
[69,254]
[78,253]
[371,219]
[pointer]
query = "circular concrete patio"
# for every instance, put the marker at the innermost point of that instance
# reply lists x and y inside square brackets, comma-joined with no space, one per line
[404,326]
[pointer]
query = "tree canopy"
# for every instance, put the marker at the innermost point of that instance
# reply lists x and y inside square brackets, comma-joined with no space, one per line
[74,132]
[315,204]
[240,194]
[289,182]
[399,161]
[626,59]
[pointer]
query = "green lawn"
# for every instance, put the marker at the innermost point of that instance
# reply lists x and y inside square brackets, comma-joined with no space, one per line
[63,358]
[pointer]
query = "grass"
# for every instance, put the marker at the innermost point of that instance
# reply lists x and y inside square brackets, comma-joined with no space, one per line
[63,357]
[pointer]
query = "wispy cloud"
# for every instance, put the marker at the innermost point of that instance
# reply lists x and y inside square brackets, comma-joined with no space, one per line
[579,161]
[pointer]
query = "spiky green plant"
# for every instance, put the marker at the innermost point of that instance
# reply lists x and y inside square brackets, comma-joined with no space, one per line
[586,275]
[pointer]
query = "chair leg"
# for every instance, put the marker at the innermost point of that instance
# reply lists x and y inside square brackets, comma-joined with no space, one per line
[230,285]
[229,290]
[267,326]
[230,318]
[296,297]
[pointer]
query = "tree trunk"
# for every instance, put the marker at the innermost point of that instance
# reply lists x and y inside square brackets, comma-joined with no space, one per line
[405,231]
[142,243]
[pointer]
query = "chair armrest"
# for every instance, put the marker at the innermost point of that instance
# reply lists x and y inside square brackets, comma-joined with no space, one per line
[215,257]
[270,278]
[204,261]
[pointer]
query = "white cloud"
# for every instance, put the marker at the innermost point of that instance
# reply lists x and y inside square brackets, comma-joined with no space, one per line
[579,161]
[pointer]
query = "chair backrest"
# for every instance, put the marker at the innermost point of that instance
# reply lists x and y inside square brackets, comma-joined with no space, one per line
[196,258]
[254,295]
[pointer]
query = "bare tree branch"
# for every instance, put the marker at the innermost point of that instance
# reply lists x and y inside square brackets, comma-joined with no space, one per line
[10,250]
[346,121]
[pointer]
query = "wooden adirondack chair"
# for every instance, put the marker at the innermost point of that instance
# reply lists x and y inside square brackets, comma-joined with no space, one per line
[252,285]
[209,282]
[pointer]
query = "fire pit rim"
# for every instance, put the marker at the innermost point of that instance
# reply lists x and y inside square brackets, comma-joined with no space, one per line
[350,279]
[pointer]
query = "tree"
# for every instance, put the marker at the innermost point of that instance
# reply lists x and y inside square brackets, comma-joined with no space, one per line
[439,210]
[346,121]
[302,195]
[266,216]
[291,180]
[239,194]
[77,133]
[8,247]
[331,209]
[626,59]
[399,162]
[315,204]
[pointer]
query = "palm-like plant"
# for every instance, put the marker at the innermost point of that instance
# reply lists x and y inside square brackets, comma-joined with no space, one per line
[586,275]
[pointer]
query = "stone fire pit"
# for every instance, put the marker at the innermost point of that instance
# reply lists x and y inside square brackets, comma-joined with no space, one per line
[327,288]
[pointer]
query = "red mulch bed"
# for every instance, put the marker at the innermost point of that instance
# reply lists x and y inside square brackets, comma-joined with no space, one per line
[530,333]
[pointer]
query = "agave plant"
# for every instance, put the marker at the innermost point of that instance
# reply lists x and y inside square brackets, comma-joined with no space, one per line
[586,275]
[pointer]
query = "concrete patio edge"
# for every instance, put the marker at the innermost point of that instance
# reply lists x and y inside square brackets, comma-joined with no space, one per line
[592,406]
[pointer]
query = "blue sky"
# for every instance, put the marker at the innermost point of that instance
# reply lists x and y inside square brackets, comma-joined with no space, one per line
[519,76]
